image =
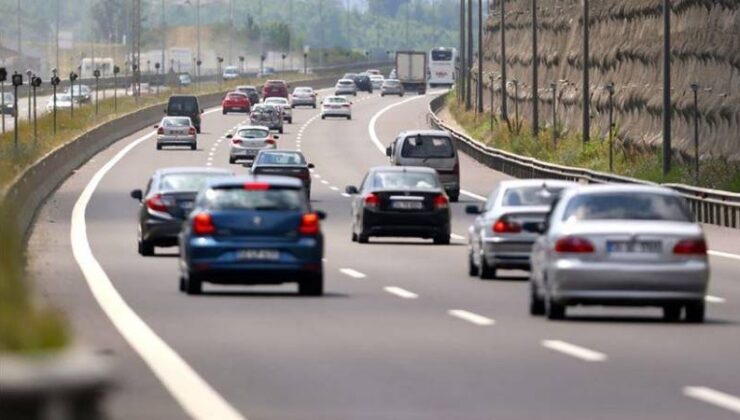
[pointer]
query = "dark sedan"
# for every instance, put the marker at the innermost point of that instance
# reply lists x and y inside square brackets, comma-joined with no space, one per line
[166,203]
[253,230]
[285,163]
[401,202]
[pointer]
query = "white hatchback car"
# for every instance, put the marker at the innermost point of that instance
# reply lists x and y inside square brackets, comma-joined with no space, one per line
[345,87]
[336,106]
[284,105]
[248,140]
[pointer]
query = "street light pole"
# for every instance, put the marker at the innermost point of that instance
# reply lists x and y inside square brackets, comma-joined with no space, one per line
[666,86]
[479,105]
[157,80]
[35,82]
[610,89]
[72,78]
[462,58]
[695,89]
[29,73]
[504,94]
[468,84]
[586,98]
[3,78]
[54,84]
[17,80]
[516,104]
[490,88]
[554,88]
[535,65]
[116,70]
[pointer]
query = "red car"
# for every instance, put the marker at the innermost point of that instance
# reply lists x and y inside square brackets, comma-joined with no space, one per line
[275,88]
[236,101]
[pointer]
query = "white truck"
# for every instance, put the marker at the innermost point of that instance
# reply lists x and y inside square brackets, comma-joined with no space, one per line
[412,70]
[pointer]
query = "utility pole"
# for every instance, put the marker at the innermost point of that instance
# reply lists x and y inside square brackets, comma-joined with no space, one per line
[535,65]
[666,86]
[469,69]
[197,33]
[479,85]
[56,33]
[290,32]
[164,36]
[408,10]
[231,31]
[18,32]
[136,48]
[262,38]
[321,32]
[586,99]
[461,55]
[504,113]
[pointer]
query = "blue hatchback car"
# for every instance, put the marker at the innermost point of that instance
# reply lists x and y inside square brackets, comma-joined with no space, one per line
[252,230]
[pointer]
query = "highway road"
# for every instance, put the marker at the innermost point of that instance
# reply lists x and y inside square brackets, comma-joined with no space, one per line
[402,332]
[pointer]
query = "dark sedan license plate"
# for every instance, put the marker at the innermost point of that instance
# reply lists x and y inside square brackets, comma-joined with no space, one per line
[407,205]
[258,255]
[640,247]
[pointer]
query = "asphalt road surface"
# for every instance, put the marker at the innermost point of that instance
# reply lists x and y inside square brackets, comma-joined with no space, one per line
[402,332]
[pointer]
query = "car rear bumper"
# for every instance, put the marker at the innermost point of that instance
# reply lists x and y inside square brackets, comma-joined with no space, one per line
[573,281]
[420,225]
[303,101]
[345,92]
[507,253]
[162,232]
[231,108]
[337,112]
[162,140]
[391,91]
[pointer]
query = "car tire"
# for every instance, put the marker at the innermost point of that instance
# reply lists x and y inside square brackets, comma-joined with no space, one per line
[182,283]
[554,310]
[197,129]
[363,238]
[193,284]
[349,117]
[354,235]
[312,285]
[695,312]
[323,117]
[159,146]
[536,304]
[455,197]
[146,248]
[472,268]
[314,106]
[290,121]
[232,160]
[382,95]
[672,313]
[485,271]
[280,130]
[194,146]
[442,239]
[223,112]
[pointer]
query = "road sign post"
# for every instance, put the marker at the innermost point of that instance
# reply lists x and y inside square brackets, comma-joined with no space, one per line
[695,89]
[610,89]
[116,70]
[72,78]
[35,82]
[3,78]
[17,80]
[54,83]
[96,73]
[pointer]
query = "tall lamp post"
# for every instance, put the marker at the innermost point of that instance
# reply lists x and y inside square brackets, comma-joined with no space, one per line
[30,75]
[35,82]
[554,89]
[535,65]
[479,105]
[305,63]
[3,78]
[241,65]
[461,56]
[54,83]
[490,88]
[610,89]
[504,93]
[695,89]
[96,74]
[468,70]
[516,104]
[72,77]
[17,81]
[666,86]
[157,80]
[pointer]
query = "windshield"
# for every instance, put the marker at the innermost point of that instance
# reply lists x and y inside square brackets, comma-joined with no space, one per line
[441,55]
[236,97]
[243,199]
[186,181]
[176,122]
[407,179]
[281,158]
[279,101]
[530,196]
[627,206]
[427,147]
[182,105]
[252,133]
[336,100]
[302,90]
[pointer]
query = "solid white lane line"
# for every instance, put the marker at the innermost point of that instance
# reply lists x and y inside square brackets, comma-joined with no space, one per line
[714,299]
[352,273]
[374,119]
[471,317]
[473,195]
[714,397]
[574,351]
[192,392]
[724,255]
[402,293]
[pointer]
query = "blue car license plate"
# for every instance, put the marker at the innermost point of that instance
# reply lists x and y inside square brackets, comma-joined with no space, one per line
[258,255]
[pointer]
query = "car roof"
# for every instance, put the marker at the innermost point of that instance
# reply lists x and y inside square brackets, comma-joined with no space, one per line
[246,87]
[183,97]
[303,87]
[276,99]
[234,181]
[345,80]
[518,183]
[418,169]
[409,133]
[191,169]
[623,188]
[336,97]
[236,92]
[245,126]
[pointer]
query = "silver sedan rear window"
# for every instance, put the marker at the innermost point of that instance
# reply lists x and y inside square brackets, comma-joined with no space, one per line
[627,206]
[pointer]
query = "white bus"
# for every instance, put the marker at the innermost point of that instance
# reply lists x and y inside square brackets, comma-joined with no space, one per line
[442,66]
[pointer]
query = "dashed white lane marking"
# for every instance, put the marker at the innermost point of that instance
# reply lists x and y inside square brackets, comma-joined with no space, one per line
[352,273]
[317,176]
[195,395]
[714,397]
[724,255]
[333,188]
[457,237]
[346,195]
[471,317]
[325,182]
[402,293]
[574,351]
[714,299]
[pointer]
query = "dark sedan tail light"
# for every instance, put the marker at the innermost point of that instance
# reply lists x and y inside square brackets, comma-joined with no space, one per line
[441,202]
[504,225]
[309,224]
[159,203]
[372,201]
[690,247]
[574,245]
[203,224]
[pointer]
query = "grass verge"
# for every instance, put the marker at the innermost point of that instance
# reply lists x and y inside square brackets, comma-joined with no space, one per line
[568,149]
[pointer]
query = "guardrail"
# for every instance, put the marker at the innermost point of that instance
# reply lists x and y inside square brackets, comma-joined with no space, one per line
[714,207]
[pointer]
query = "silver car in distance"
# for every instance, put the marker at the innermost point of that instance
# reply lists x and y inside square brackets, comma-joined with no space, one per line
[626,245]
[176,131]
[505,229]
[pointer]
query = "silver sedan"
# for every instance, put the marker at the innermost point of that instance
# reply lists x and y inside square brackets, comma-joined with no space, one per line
[345,87]
[176,131]
[503,233]
[627,245]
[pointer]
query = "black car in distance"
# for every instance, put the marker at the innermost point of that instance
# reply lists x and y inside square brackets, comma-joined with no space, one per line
[400,202]
[286,163]
[362,81]
[166,203]
[185,106]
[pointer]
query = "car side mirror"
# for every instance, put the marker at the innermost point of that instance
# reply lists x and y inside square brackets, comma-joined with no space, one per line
[156,126]
[202,111]
[311,166]
[473,209]
[388,151]
[229,136]
[137,195]
[276,137]
[352,190]
[541,228]
[321,214]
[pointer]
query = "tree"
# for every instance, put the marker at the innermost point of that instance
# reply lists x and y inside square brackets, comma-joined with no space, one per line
[111,17]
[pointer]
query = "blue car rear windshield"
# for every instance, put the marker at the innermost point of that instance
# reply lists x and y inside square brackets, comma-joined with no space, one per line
[242,199]
[281,158]
[627,206]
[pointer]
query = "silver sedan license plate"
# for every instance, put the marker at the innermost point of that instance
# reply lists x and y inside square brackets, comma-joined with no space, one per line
[258,255]
[643,247]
